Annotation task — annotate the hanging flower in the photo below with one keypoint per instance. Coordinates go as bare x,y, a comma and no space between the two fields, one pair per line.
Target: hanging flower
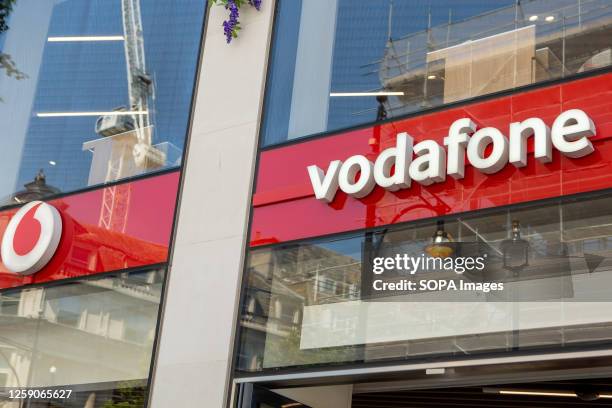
231,26
255,3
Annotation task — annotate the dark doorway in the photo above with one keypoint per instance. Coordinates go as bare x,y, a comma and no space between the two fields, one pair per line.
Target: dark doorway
562,394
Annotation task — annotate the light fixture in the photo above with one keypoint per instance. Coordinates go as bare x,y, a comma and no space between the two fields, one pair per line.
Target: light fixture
52,162
86,38
533,18
539,393
550,18
67,114
441,246
431,77
366,93
587,394
381,114
515,250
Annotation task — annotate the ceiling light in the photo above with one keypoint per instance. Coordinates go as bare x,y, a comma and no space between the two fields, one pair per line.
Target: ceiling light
550,18
366,94
431,77
86,38
583,395
533,18
51,162
441,245
515,250
67,114
539,393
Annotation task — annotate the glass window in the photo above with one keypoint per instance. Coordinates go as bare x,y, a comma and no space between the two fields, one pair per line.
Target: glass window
92,91
311,303
93,336
341,63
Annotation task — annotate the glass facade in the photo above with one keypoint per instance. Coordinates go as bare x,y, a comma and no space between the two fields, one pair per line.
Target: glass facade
341,63
93,91
93,336
304,304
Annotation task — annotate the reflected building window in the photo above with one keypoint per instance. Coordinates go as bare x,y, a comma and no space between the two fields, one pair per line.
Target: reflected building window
34,190
53,336
553,259
384,59
93,91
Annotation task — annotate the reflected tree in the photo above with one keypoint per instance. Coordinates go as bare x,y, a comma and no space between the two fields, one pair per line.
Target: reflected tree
6,62
6,6
127,397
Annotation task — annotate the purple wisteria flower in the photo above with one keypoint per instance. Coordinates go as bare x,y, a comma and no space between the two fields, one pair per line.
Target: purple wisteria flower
231,26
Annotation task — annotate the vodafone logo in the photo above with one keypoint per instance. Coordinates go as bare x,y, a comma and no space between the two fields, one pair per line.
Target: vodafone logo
31,238
427,162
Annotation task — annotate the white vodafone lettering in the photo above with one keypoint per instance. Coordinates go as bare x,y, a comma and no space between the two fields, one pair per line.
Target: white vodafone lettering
325,184
570,132
399,156
456,142
352,185
430,165
395,167
520,132
497,159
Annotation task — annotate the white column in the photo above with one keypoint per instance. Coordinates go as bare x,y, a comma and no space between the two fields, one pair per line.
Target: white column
199,312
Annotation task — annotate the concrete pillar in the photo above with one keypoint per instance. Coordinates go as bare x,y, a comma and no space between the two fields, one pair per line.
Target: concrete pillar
199,312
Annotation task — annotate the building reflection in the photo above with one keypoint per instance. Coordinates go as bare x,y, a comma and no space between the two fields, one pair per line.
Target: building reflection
529,42
303,303
90,332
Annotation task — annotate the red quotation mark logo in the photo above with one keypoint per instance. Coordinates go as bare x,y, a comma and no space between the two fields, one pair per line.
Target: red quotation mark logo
31,238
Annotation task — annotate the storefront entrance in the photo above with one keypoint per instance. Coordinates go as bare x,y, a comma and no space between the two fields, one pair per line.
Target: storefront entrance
562,383
567,394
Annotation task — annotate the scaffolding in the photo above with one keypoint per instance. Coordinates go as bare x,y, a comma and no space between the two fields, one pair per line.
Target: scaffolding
528,42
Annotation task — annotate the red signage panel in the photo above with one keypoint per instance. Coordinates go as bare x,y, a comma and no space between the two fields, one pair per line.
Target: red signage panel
285,207
117,227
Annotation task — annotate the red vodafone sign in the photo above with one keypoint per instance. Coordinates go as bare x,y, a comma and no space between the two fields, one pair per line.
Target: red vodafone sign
547,142
31,238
